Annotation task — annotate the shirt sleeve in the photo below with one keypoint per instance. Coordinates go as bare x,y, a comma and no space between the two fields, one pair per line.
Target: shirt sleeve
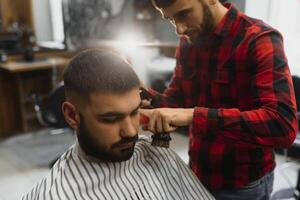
274,121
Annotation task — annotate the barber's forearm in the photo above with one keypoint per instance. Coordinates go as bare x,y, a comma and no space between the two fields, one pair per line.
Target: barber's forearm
168,119
186,117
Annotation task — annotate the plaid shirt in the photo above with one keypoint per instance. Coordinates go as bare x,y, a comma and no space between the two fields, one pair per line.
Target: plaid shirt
239,84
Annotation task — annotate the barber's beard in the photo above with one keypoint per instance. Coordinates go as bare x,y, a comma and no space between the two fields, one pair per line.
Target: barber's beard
206,28
90,146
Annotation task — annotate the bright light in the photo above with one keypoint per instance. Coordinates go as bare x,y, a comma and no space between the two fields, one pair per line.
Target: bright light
129,42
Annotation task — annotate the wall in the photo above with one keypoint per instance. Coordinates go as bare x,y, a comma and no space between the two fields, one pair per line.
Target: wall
86,19
89,21
240,4
284,15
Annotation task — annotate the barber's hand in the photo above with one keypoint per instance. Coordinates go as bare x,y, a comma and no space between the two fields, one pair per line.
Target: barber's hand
145,96
167,119
146,103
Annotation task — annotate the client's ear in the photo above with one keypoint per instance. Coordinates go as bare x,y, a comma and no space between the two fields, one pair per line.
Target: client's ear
70,114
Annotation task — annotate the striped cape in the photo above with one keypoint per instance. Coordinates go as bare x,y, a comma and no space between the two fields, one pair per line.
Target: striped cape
151,173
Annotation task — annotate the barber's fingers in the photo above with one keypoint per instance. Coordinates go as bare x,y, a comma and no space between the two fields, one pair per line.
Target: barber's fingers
153,121
159,124
167,125
142,84
158,121
146,103
146,112
145,115
170,129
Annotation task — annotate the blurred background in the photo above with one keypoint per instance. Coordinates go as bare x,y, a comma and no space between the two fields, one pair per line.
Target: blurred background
38,38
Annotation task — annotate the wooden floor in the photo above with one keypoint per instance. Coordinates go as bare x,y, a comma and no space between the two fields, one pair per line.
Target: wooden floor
24,160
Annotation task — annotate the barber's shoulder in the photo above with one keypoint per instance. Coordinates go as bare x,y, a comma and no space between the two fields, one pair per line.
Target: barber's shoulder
257,28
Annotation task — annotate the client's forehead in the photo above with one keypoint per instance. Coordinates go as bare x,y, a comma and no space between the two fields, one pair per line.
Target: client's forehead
124,102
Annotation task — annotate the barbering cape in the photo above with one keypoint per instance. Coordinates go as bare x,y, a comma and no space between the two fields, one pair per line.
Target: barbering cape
151,173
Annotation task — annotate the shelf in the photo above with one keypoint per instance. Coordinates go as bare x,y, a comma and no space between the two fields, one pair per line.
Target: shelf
18,81
23,66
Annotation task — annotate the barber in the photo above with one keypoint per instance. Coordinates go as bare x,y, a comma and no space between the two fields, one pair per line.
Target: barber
232,87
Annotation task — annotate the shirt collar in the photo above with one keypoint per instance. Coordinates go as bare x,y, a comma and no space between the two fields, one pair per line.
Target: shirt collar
225,25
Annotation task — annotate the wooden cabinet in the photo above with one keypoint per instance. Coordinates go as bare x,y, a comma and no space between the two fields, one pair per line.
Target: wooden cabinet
16,10
18,81
9,119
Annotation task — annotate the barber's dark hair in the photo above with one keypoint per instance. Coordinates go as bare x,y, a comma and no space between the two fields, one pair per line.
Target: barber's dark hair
97,70
159,4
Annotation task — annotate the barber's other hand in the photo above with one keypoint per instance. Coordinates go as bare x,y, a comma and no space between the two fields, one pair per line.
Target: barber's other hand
145,96
146,103
167,119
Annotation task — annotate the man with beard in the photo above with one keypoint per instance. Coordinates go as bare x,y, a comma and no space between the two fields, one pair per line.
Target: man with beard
232,87
110,161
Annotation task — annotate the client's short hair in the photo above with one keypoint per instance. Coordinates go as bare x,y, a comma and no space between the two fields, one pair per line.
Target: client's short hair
97,70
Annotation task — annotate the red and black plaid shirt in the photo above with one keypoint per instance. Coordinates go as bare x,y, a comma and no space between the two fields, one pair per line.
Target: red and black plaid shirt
239,83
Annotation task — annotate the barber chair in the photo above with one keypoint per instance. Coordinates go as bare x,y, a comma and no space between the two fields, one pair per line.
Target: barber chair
49,112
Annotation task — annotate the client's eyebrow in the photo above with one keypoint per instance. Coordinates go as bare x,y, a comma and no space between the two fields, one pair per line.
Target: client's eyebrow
110,114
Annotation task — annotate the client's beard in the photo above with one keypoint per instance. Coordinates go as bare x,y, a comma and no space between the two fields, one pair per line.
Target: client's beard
91,148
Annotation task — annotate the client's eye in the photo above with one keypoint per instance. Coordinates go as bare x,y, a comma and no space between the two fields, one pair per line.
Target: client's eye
111,119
